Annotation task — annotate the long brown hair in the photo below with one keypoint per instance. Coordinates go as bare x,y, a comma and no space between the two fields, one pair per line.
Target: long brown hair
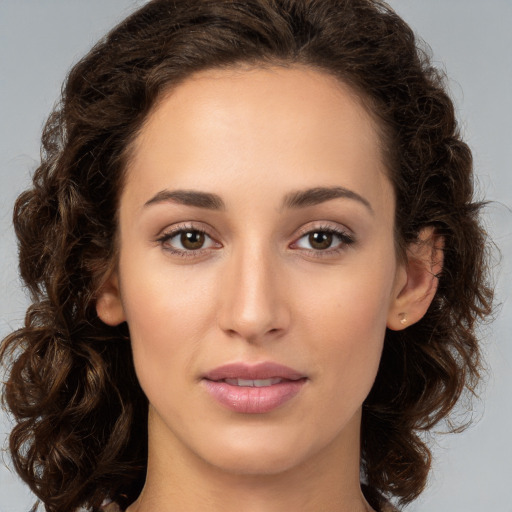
80,414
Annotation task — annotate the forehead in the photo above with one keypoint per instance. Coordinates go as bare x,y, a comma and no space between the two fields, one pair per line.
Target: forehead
249,125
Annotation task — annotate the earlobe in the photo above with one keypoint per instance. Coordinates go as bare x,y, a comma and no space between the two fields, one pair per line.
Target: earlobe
109,306
416,291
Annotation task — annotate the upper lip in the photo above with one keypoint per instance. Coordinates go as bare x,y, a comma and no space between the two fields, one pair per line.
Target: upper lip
265,370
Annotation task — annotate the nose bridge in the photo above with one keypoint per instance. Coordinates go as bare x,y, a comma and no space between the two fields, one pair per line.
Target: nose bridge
252,306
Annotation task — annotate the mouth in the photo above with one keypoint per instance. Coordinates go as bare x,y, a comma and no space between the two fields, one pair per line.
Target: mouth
253,389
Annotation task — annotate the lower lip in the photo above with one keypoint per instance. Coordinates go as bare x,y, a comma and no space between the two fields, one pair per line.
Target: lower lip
253,400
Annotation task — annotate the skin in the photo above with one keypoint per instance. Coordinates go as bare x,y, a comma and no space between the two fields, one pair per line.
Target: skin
258,290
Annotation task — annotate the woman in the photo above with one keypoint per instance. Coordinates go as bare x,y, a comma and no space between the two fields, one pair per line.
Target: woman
255,261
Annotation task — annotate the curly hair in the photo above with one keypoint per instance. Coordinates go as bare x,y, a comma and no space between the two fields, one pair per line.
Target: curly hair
81,431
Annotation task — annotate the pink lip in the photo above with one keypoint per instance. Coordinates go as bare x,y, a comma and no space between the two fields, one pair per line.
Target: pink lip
253,400
266,370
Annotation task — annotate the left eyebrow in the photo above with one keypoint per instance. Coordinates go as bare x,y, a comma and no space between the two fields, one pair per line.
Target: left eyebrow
318,195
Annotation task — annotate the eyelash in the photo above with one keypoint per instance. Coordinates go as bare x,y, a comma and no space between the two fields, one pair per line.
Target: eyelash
185,253
345,240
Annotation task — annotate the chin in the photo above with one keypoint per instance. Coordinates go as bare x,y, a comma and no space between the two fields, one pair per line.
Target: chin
264,453
256,464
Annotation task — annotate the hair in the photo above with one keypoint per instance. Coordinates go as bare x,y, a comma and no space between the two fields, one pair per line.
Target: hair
80,432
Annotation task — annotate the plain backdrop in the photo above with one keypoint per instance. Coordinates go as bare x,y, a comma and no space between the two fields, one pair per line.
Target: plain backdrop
471,39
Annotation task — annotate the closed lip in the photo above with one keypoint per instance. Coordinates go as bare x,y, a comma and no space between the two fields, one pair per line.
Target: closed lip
258,371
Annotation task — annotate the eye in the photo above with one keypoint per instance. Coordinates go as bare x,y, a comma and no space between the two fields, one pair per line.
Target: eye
186,240
324,239
190,240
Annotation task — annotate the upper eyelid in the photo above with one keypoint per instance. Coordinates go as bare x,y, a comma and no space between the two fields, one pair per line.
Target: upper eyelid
178,227
334,227
307,228
339,233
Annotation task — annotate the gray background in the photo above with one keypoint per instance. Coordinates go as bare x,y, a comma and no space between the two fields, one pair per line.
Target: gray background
40,40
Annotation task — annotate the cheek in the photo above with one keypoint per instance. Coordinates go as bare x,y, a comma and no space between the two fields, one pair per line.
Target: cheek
168,314
347,319
351,299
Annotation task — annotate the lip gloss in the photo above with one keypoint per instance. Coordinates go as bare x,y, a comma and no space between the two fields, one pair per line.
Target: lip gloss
253,400
233,386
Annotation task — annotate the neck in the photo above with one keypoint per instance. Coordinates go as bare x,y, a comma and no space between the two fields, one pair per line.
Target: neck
183,482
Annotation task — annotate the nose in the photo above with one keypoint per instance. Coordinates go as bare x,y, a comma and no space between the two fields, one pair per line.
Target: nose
253,303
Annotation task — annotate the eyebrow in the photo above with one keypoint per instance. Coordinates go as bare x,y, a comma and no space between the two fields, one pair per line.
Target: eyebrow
188,198
298,199
318,195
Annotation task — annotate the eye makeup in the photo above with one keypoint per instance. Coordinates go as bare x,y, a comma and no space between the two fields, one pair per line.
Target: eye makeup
187,240
323,240
190,240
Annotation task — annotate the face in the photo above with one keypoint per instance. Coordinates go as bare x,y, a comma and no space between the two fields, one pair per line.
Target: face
257,267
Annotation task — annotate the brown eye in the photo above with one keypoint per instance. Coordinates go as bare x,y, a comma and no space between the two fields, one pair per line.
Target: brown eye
327,240
192,240
320,240
189,241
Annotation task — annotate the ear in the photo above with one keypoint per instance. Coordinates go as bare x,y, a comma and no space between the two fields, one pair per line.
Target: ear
108,302
417,280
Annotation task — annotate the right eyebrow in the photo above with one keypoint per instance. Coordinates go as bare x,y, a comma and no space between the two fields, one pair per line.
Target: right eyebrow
318,195
188,198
